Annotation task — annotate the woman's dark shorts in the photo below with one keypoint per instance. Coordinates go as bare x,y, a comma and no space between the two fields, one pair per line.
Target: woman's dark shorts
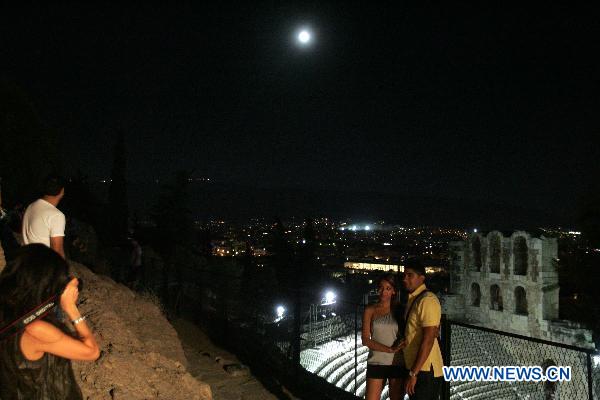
386,371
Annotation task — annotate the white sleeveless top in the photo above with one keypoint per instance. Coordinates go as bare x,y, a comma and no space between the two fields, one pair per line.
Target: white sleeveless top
384,329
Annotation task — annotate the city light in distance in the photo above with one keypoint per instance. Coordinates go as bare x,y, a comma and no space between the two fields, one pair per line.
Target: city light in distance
329,298
359,227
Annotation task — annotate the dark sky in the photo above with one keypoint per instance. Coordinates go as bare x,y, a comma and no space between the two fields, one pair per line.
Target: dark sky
462,101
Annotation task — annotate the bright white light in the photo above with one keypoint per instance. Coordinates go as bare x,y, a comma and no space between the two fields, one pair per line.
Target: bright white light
303,241
475,230
304,37
367,228
280,311
342,228
353,227
329,297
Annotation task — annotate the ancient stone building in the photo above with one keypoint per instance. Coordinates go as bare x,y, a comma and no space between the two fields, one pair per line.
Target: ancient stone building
510,283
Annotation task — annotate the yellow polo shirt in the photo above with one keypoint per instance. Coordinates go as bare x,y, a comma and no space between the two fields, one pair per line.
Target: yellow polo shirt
427,312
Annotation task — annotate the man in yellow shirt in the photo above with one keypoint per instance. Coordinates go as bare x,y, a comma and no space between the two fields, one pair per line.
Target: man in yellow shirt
422,355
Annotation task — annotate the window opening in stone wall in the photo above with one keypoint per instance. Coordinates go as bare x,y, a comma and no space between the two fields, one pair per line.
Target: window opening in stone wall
520,255
476,247
496,298
520,301
495,252
475,295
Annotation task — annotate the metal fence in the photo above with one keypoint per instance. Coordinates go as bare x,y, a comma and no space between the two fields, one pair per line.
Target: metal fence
470,345
314,348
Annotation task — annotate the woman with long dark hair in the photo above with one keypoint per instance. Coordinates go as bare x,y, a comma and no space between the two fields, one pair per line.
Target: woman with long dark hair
380,335
35,362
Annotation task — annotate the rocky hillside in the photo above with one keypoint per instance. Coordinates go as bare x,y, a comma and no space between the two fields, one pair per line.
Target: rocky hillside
142,357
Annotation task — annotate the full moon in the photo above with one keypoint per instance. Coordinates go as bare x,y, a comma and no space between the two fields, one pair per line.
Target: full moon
304,37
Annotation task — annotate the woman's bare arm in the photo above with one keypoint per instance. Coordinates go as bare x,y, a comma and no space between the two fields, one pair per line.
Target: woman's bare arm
42,337
366,334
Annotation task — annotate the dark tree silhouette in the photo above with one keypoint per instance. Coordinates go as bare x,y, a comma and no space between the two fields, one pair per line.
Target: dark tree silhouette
118,210
589,216
282,259
172,214
579,278
257,287
173,236
28,150
80,202
310,273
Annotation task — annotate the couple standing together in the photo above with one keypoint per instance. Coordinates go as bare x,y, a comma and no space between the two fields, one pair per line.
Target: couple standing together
403,344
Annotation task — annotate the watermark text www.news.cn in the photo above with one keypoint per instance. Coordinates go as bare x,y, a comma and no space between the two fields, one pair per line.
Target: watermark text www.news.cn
510,373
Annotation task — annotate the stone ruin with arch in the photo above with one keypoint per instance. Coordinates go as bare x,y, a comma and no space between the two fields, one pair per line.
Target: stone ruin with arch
511,284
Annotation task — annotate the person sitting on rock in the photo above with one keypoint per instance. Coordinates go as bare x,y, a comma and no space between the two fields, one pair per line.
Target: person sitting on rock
35,363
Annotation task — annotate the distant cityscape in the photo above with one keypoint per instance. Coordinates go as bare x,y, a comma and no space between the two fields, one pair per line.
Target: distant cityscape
353,244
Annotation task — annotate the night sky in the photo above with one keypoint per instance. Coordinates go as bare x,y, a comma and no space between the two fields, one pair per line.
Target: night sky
458,101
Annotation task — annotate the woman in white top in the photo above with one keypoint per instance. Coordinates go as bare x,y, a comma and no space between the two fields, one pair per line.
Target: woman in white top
380,335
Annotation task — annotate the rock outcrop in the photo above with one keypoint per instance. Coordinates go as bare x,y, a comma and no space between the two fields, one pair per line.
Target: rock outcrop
142,357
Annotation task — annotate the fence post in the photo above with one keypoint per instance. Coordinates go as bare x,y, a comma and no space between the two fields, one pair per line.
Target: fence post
589,376
297,327
446,349
356,347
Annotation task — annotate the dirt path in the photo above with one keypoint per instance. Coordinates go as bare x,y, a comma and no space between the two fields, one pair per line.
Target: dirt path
209,363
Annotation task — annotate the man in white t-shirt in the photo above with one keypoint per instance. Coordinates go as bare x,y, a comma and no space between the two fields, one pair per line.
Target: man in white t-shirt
43,222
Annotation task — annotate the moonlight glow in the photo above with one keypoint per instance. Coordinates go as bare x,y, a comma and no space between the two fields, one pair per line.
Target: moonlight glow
304,37
280,311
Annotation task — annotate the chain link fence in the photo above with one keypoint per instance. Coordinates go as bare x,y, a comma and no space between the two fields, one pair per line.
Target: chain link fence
470,345
313,346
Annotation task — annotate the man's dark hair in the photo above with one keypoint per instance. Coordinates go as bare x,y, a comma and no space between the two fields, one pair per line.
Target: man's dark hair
416,265
52,185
